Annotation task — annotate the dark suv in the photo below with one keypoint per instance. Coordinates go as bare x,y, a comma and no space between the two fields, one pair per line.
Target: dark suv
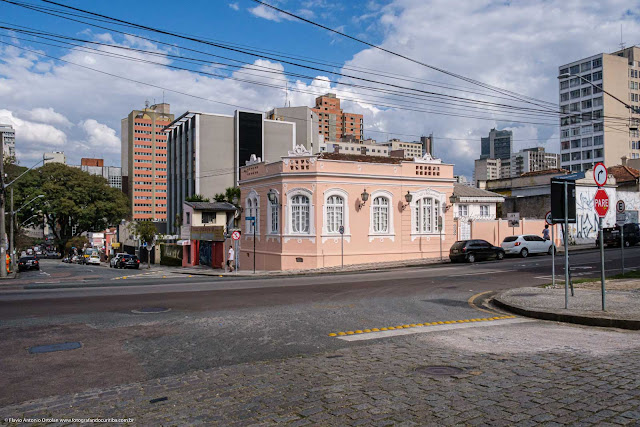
474,250
612,235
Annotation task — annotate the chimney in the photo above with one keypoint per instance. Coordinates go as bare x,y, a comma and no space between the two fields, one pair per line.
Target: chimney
623,159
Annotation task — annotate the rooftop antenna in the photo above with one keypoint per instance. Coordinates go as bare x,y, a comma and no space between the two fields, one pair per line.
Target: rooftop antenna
146,103
163,97
286,93
621,42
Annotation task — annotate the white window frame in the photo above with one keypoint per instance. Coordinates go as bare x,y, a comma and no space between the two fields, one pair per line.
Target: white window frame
416,204
252,208
287,224
390,233
345,215
488,211
462,207
271,209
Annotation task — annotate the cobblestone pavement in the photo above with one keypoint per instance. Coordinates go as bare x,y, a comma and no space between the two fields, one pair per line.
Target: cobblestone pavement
526,374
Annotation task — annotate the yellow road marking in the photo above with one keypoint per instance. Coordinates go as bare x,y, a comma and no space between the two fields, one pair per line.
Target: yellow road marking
417,325
471,303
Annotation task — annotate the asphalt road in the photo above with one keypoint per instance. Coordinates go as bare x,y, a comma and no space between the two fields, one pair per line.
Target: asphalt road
220,321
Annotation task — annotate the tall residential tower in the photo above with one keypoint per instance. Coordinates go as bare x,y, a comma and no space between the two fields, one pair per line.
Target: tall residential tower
144,161
595,127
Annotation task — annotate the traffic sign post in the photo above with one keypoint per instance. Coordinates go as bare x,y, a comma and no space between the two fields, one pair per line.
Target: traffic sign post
235,236
601,205
513,220
621,218
341,230
548,218
253,225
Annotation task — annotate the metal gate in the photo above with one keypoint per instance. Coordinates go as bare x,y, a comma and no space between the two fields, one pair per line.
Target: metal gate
205,253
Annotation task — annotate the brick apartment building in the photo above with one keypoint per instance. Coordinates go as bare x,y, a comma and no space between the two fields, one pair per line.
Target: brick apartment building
335,124
144,161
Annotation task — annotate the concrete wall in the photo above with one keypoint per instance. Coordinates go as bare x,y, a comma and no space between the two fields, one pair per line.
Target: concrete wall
215,159
279,139
615,81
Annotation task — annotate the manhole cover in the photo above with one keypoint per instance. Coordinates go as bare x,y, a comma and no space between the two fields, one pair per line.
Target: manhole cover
54,347
439,371
151,310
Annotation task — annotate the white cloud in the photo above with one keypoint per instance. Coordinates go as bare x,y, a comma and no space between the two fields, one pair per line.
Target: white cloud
100,136
515,45
264,12
48,115
234,6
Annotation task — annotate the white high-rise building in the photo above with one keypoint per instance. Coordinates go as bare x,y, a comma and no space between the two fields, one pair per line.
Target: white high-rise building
595,127
8,139
533,159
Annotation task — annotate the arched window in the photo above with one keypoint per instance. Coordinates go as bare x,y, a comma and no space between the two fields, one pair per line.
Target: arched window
380,215
274,220
334,213
299,214
249,210
253,210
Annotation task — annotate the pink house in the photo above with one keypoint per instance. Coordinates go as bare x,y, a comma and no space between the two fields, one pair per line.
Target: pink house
315,211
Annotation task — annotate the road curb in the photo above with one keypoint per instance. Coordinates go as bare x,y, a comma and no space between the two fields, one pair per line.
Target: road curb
607,322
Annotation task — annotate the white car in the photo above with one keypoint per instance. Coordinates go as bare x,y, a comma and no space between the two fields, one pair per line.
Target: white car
526,244
94,259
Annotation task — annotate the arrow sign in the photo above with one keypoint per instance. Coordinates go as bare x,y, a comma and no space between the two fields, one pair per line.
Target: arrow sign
601,203
548,218
600,174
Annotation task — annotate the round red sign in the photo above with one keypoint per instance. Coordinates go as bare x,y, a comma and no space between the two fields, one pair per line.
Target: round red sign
601,202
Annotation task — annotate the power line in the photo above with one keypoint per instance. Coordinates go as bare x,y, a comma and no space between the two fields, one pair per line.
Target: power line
476,82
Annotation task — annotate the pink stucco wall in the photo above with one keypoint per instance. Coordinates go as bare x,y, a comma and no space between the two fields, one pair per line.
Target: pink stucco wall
316,178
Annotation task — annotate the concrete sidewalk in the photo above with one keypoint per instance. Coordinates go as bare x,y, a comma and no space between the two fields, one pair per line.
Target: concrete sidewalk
584,308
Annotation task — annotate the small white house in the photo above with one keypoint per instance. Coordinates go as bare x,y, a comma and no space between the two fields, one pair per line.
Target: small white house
470,204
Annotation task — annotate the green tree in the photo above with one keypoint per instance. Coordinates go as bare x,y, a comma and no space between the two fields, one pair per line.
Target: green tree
219,197
196,198
145,231
78,242
74,201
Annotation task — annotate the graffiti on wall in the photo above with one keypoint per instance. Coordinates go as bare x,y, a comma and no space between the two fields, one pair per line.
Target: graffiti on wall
585,230
586,218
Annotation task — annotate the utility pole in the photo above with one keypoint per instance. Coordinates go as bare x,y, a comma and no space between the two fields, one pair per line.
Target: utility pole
12,248
3,231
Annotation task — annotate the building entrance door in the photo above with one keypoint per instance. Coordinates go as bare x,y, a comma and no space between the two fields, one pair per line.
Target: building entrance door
205,253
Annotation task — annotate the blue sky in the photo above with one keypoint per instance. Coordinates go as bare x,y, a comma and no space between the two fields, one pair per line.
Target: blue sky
514,45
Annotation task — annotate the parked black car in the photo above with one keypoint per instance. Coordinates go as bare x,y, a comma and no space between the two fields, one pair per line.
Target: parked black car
28,263
612,235
128,261
474,250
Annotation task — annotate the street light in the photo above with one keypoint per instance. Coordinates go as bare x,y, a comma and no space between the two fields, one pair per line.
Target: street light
13,213
408,197
364,197
3,228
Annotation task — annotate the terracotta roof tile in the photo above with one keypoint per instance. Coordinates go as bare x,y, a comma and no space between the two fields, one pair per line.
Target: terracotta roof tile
624,173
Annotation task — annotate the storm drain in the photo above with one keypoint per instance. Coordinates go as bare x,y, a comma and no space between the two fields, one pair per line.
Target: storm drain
439,371
151,310
54,347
